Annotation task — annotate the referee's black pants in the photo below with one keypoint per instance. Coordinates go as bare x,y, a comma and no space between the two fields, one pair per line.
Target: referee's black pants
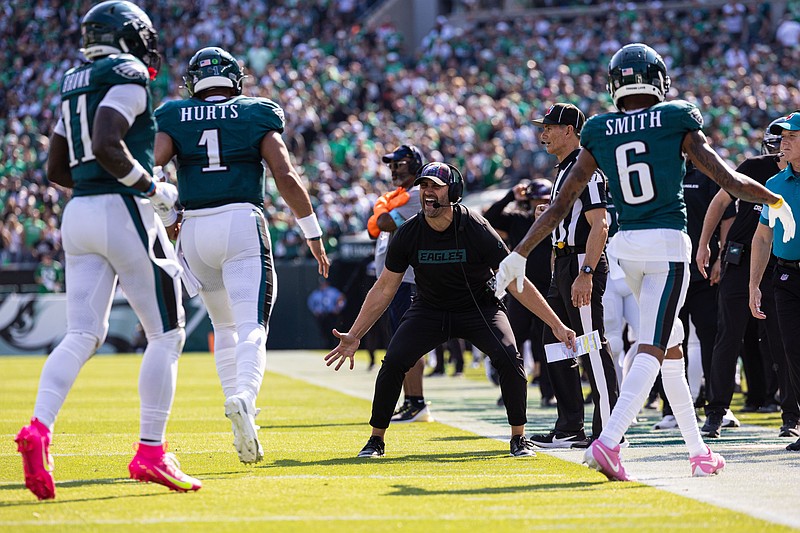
786,284
564,375
423,329
734,319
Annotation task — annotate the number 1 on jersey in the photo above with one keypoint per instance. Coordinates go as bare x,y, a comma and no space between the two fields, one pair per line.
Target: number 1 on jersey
210,139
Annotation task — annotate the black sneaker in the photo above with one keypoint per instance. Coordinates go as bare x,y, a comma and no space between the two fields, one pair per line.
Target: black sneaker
413,413
374,448
561,440
790,430
771,408
713,425
405,405
521,446
794,447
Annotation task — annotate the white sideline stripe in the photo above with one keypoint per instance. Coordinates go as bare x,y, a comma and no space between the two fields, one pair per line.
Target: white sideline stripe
765,468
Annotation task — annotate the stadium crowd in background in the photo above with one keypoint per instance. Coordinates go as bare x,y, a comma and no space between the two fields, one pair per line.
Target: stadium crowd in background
465,96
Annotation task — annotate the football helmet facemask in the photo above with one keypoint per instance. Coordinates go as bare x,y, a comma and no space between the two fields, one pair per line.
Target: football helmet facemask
213,67
771,143
118,26
637,69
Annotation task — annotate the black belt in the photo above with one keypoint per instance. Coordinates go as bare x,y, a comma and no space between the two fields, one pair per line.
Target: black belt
561,249
794,265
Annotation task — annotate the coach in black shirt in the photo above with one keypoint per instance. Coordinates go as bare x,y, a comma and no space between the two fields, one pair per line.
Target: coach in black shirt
576,290
453,252
734,312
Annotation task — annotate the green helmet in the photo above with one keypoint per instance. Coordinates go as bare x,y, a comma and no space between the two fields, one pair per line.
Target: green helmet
637,69
213,67
118,26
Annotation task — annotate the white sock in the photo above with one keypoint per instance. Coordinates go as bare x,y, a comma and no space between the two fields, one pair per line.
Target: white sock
225,358
157,379
59,373
251,360
677,390
634,391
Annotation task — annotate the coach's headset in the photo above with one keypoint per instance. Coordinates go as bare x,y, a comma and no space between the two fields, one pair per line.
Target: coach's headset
455,181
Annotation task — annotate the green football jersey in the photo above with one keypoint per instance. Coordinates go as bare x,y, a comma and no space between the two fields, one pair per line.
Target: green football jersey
219,148
82,90
641,155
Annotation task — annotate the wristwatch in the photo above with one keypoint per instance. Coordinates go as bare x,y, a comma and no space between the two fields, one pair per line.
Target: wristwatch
587,270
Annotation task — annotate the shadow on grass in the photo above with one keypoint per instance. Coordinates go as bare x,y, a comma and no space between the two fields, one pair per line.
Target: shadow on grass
295,425
399,459
80,483
409,490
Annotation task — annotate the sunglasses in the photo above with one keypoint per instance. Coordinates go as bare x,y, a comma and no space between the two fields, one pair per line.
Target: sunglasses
397,164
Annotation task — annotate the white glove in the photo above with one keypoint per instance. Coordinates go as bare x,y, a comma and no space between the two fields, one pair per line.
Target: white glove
511,268
168,216
164,195
780,210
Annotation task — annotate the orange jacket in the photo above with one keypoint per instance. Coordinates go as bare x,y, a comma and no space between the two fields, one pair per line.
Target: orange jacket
384,204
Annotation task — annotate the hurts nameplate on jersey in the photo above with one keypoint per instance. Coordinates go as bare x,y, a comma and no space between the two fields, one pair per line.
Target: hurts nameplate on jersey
558,351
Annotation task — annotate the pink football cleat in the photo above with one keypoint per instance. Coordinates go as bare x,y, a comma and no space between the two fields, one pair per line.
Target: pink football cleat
151,464
606,461
707,464
33,442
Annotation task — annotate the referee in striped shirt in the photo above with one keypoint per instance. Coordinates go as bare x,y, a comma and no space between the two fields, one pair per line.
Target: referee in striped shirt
576,290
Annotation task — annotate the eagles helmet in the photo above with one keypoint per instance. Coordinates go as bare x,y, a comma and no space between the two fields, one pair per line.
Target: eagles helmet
213,67
637,69
771,143
118,26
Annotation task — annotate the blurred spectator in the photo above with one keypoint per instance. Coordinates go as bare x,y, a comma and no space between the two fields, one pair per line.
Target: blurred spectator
326,303
49,274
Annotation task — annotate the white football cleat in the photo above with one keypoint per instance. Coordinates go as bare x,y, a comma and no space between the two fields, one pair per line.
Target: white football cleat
245,430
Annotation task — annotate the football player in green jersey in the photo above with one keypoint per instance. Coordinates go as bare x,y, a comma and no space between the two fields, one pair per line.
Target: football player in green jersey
219,139
641,150
102,147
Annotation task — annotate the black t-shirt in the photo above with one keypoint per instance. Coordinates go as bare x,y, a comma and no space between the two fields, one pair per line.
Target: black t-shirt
760,168
445,261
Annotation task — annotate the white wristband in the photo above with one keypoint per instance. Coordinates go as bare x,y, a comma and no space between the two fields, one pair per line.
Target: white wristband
310,226
133,176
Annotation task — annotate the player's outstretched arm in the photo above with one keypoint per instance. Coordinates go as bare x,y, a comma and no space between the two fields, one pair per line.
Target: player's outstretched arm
696,146
275,153
378,299
707,160
513,267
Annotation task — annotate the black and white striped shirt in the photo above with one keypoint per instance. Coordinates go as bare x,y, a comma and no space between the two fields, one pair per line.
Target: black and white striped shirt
574,229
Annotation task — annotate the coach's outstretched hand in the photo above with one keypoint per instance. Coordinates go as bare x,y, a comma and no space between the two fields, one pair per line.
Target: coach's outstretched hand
348,344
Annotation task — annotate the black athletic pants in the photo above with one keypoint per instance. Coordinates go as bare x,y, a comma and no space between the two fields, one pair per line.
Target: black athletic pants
733,318
786,284
423,329
564,376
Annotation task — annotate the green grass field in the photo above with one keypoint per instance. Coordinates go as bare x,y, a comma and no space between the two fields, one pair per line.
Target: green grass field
437,478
